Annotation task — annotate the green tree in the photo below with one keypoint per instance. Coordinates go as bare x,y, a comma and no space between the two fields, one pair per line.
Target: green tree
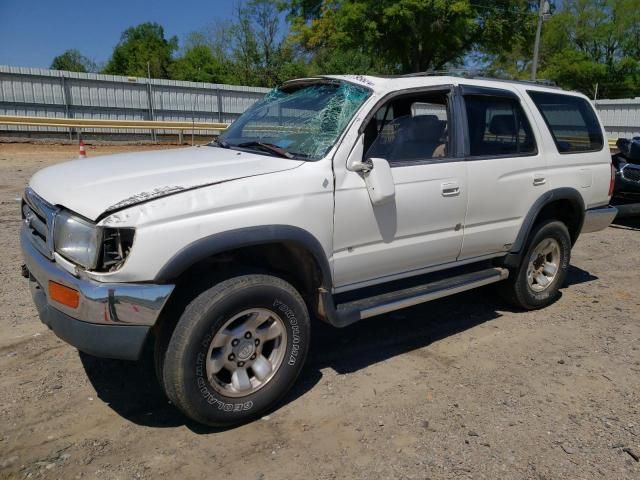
586,45
259,54
403,36
140,45
216,36
73,61
198,64
594,44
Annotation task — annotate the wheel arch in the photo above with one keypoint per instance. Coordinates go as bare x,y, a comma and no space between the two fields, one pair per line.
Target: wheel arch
287,236
292,252
565,204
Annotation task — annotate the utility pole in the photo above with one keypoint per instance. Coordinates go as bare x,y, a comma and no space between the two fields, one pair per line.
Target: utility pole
542,11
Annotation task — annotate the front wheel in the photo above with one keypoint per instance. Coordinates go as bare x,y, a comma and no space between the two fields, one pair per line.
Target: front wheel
543,270
236,350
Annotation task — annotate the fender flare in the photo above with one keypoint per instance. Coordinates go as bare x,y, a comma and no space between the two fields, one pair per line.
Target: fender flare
564,193
245,237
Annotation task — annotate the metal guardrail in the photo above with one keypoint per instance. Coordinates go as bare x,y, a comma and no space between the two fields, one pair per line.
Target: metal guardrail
105,123
78,96
126,124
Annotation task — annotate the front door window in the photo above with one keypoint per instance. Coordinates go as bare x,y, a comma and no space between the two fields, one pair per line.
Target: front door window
409,129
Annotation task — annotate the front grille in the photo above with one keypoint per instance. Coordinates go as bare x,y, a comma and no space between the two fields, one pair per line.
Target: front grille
37,217
632,173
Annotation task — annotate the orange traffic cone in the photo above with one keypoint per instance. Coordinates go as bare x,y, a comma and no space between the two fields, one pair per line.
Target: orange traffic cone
83,152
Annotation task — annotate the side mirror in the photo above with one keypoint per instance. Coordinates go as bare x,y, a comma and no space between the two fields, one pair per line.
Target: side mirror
379,180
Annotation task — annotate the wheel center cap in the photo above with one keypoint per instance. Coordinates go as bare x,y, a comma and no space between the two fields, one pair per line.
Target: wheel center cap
245,349
538,262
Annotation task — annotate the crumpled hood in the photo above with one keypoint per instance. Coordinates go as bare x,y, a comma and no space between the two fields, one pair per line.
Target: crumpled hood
97,185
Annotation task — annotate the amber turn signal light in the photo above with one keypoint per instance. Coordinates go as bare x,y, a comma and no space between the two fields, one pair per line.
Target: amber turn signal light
64,295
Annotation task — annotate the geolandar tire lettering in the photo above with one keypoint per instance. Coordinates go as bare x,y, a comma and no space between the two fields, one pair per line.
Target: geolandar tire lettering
237,349
290,315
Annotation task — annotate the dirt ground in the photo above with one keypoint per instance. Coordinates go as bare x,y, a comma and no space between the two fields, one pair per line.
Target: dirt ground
463,387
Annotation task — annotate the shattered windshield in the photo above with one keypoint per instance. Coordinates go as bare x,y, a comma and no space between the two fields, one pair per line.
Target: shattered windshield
302,122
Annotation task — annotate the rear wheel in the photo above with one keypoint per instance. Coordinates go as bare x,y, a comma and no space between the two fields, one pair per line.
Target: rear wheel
543,269
236,350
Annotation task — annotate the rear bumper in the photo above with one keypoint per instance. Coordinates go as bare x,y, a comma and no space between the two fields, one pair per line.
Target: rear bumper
111,320
628,209
597,219
624,185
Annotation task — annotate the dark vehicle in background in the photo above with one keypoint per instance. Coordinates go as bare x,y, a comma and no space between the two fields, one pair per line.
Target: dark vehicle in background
627,165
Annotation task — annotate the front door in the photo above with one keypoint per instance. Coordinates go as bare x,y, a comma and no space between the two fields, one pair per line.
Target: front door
423,226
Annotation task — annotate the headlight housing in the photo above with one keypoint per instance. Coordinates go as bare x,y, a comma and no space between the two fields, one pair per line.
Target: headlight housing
102,249
77,239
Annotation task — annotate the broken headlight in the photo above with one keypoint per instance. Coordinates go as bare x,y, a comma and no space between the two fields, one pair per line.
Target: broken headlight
95,248
76,239
116,245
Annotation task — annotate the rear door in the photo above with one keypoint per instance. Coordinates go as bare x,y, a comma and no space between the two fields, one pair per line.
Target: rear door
506,170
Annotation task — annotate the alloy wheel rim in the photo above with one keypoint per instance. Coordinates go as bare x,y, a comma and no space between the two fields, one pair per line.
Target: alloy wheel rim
246,353
544,264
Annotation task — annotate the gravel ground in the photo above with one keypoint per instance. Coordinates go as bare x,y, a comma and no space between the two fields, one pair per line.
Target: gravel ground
463,387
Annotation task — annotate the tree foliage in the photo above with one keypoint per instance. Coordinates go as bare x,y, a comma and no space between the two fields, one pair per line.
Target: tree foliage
593,44
73,61
198,64
403,36
586,45
261,55
140,48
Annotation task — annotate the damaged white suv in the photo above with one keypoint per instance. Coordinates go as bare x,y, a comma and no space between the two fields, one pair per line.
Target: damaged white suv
220,255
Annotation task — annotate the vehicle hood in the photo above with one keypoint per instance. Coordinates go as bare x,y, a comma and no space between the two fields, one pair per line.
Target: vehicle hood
97,185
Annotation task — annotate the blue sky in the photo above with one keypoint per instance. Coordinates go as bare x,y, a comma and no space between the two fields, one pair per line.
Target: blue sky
32,32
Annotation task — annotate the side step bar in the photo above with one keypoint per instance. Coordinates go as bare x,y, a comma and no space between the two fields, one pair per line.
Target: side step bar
369,307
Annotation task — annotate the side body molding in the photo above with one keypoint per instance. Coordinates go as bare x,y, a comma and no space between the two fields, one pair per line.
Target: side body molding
245,237
565,193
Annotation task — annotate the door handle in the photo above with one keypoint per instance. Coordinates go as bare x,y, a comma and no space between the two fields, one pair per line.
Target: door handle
538,180
451,189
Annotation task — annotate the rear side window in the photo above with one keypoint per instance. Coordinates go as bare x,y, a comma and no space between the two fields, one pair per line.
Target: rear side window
571,120
498,127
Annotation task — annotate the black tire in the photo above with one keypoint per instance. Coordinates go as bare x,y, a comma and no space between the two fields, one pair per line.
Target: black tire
517,290
183,369
161,342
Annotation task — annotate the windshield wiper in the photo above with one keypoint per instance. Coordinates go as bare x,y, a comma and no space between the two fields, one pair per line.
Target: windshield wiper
220,143
266,146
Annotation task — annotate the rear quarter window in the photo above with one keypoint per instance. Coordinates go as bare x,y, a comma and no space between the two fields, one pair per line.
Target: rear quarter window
571,121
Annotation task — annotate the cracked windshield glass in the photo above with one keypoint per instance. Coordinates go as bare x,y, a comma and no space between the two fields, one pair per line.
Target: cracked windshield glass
300,122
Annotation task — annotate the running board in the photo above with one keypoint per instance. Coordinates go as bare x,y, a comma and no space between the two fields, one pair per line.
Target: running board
353,311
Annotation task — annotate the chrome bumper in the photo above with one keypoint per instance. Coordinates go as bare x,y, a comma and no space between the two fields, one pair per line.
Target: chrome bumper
111,320
597,219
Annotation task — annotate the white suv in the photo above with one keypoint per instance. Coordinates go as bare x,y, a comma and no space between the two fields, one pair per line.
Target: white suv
219,255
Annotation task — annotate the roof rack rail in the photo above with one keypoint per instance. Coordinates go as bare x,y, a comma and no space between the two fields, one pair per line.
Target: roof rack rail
543,82
454,72
421,74
476,75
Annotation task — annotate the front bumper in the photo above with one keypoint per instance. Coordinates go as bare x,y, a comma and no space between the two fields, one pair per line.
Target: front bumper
112,319
596,219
